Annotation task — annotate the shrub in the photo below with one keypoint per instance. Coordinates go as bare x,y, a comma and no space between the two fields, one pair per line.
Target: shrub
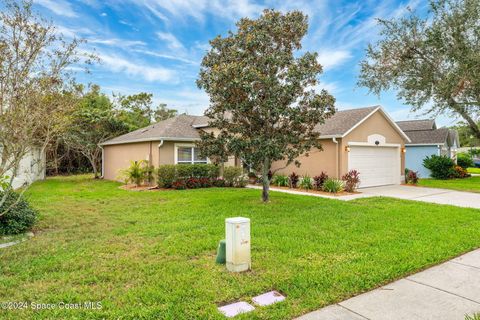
441,167
218,182
240,181
459,172
137,172
19,218
351,180
166,175
280,180
306,182
192,183
231,174
411,177
293,179
333,185
205,182
185,171
320,180
464,160
179,184
148,174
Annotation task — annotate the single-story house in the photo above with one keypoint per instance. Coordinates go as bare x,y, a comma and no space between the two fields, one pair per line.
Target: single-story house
31,168
365,139
427,140
170,141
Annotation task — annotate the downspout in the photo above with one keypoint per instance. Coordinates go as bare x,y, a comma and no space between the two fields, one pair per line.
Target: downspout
103,162
334,140
150,155
159,146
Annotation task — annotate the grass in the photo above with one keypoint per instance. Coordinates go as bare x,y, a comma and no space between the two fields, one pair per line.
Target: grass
150,255
471,184
473,170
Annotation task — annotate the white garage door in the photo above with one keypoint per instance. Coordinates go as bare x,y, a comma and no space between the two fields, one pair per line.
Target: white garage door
378,166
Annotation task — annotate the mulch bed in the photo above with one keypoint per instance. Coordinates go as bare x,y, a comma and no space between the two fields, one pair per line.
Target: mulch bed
339,194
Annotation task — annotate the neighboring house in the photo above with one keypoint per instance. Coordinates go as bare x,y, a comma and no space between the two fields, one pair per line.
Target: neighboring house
31,168
365,139
427,140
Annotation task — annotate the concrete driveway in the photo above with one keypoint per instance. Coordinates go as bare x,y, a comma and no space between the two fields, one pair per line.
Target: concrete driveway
448,291
433,195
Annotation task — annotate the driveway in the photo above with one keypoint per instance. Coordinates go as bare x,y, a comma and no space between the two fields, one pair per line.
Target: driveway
433,195
448,291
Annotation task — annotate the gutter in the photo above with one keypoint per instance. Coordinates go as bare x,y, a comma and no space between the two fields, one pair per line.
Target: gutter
148,140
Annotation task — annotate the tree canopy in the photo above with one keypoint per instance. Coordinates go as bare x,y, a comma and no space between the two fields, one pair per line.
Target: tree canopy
262,97
432,62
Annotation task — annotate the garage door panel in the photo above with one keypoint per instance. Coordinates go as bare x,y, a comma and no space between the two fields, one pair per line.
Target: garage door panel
377,165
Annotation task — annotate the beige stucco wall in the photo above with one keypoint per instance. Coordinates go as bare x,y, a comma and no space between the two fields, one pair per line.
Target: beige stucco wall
315,163
118,157
375,124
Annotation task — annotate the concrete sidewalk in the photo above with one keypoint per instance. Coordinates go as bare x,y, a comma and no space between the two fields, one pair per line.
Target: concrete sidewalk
448,291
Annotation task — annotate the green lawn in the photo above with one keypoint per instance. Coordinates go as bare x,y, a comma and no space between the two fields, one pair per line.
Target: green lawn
471,184
150,255
473,170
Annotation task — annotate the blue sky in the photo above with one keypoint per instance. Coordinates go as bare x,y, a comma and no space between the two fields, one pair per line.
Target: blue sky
156,45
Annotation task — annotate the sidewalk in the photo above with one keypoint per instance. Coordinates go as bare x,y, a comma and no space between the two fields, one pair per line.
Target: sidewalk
448,291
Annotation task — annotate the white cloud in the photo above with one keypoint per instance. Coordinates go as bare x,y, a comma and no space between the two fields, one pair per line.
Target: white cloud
330,59
198,9
103,14
147,72
171,41
73,32
59,7
331,87
117,42
168,56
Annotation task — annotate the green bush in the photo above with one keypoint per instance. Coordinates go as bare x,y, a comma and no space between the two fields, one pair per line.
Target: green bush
280,180
186,171
333,185
166,175
441,167
231,175
19,218
464,160
306,183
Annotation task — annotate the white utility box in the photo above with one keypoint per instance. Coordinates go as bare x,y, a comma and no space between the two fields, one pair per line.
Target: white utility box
237,236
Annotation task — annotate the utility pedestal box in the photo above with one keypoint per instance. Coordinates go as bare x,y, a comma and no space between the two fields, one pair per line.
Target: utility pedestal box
237,236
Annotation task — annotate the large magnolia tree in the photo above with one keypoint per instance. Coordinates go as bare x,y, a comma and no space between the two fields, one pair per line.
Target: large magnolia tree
432,62
261,92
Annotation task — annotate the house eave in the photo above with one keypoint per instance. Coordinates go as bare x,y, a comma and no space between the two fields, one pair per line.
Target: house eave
147,140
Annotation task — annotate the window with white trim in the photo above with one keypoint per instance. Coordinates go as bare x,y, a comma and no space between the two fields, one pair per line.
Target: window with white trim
189,155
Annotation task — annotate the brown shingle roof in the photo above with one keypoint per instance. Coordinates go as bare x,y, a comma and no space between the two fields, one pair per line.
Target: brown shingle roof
179,127
437,136
182,127
417,125
342,121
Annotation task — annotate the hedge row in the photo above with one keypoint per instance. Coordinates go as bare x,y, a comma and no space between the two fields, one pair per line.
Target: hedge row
177,176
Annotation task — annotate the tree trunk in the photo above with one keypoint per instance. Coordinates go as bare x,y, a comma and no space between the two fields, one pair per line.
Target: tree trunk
464,114
265,180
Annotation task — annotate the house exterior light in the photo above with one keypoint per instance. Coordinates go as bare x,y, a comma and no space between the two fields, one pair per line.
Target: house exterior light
347,148
404,150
